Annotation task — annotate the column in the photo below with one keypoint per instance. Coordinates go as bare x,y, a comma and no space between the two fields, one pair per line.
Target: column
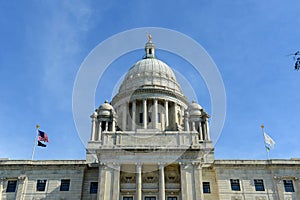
145,113
99,131
155,120
93,132
207,129
204,129
116,183
162,195
106,126
124,115
200,131
113,125
193,126
186,121
198,181
167,113
133,115
138,181
175,117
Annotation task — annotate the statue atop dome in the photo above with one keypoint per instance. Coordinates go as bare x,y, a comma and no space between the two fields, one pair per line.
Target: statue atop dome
149,37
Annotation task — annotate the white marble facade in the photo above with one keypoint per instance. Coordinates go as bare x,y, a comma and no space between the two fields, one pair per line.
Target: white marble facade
150,143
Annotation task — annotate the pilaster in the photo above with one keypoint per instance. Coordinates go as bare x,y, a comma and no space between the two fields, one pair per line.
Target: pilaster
187,183
1,186
106,188
279,188
21,187
198,180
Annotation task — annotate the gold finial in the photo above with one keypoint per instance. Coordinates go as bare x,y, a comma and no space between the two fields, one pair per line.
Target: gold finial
262,126
37,126
149,37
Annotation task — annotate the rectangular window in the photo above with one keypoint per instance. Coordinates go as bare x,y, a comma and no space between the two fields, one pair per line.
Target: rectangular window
158,118
141,118
11,186
94,188
127,198
64,184
149,116
288,186
259,185
235,184
150,198
41,185
172,198
206,187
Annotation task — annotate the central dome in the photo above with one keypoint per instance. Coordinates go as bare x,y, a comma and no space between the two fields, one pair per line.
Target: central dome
150,71
149,78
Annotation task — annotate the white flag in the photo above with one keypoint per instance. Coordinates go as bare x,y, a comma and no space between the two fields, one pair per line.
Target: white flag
269,140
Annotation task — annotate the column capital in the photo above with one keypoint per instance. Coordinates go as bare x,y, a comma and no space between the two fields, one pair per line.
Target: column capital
138,164
197,165
116,166
2,179
161,164
21,178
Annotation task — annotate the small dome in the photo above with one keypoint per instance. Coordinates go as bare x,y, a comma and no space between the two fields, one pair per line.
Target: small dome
194,109
105,109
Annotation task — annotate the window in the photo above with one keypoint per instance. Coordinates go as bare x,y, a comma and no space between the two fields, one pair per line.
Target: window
94,187
288,186
41,185
150,198
235,184
206,187
259,185
127,198
11,186
172,198
65,185
149,116
141,118
158,118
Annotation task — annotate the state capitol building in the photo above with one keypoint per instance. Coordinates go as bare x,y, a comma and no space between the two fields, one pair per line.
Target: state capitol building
150,143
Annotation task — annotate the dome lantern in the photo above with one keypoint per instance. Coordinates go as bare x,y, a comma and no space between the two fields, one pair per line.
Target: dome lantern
150,48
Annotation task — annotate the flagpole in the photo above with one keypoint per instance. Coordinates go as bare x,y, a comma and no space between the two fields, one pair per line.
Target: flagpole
35,141
267,150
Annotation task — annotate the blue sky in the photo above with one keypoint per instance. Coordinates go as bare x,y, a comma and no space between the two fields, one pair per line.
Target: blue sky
43,44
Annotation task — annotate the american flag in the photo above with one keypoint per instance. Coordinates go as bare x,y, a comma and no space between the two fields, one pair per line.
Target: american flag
42,136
